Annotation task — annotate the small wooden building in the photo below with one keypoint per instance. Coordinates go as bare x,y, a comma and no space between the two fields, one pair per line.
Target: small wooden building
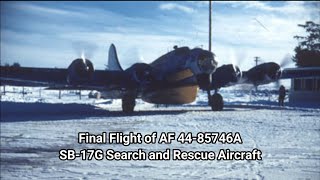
306,90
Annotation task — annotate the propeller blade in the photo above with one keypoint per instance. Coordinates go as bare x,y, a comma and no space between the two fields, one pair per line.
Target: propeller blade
135,57
83,48
83,57
245,87
238,58
277,84
286,60
241,58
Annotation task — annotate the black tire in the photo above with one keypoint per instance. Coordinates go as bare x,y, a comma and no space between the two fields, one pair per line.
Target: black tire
216,102
128,104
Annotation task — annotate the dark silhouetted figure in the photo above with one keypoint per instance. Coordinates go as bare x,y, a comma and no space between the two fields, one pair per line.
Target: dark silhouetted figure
282,95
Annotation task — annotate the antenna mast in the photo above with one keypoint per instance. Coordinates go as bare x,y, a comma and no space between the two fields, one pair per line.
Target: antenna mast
256,59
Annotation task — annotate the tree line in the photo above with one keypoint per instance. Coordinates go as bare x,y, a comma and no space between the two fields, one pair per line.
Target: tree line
308,49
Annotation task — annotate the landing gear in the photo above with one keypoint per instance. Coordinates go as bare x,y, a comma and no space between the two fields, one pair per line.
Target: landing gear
216,102
128,103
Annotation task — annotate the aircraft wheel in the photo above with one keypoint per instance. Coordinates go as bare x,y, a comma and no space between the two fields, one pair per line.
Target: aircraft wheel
216,102
128,104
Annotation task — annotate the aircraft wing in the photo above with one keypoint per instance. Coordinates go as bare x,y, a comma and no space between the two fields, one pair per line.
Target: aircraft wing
56,78
25,76
228,75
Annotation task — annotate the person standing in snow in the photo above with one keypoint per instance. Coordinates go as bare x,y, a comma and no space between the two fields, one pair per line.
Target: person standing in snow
282,95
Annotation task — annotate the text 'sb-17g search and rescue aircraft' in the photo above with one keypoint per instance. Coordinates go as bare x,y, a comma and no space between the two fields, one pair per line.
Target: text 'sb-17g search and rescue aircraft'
173,78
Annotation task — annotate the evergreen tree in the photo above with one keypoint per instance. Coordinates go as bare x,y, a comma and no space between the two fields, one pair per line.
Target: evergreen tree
308,49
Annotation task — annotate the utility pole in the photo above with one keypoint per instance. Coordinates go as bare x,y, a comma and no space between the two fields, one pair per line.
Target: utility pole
210,9
256,59
208,90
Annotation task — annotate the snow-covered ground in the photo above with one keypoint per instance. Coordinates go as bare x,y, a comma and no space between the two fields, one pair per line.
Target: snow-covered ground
34,129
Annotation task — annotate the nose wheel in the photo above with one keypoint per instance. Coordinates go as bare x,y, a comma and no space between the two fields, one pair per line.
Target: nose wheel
216,102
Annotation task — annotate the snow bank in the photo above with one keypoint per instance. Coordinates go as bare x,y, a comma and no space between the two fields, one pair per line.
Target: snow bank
32,133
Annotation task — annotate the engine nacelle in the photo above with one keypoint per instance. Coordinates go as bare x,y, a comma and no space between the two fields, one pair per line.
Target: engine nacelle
263,74
80,71
226,75
141,74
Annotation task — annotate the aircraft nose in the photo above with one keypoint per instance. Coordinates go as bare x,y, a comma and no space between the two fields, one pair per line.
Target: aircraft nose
207,64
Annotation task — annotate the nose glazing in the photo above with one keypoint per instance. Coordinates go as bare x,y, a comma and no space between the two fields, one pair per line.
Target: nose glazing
206,63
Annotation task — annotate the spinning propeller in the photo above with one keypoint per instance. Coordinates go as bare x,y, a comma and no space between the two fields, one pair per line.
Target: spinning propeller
81,69
286,61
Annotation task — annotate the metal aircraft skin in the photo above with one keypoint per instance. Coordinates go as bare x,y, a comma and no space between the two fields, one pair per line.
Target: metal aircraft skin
173,78
170,79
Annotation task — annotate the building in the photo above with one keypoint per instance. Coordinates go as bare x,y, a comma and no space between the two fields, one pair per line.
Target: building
305,90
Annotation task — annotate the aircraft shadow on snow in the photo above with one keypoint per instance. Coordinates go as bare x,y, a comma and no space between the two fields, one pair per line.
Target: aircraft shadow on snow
41,111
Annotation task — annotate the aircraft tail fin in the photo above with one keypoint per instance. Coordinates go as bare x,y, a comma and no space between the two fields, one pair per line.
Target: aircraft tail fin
113,61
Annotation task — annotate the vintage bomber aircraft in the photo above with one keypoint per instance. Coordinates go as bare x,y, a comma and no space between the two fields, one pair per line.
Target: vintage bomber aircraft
173,78
170,79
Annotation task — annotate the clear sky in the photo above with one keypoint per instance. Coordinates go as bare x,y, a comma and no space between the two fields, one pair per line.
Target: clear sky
52,34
